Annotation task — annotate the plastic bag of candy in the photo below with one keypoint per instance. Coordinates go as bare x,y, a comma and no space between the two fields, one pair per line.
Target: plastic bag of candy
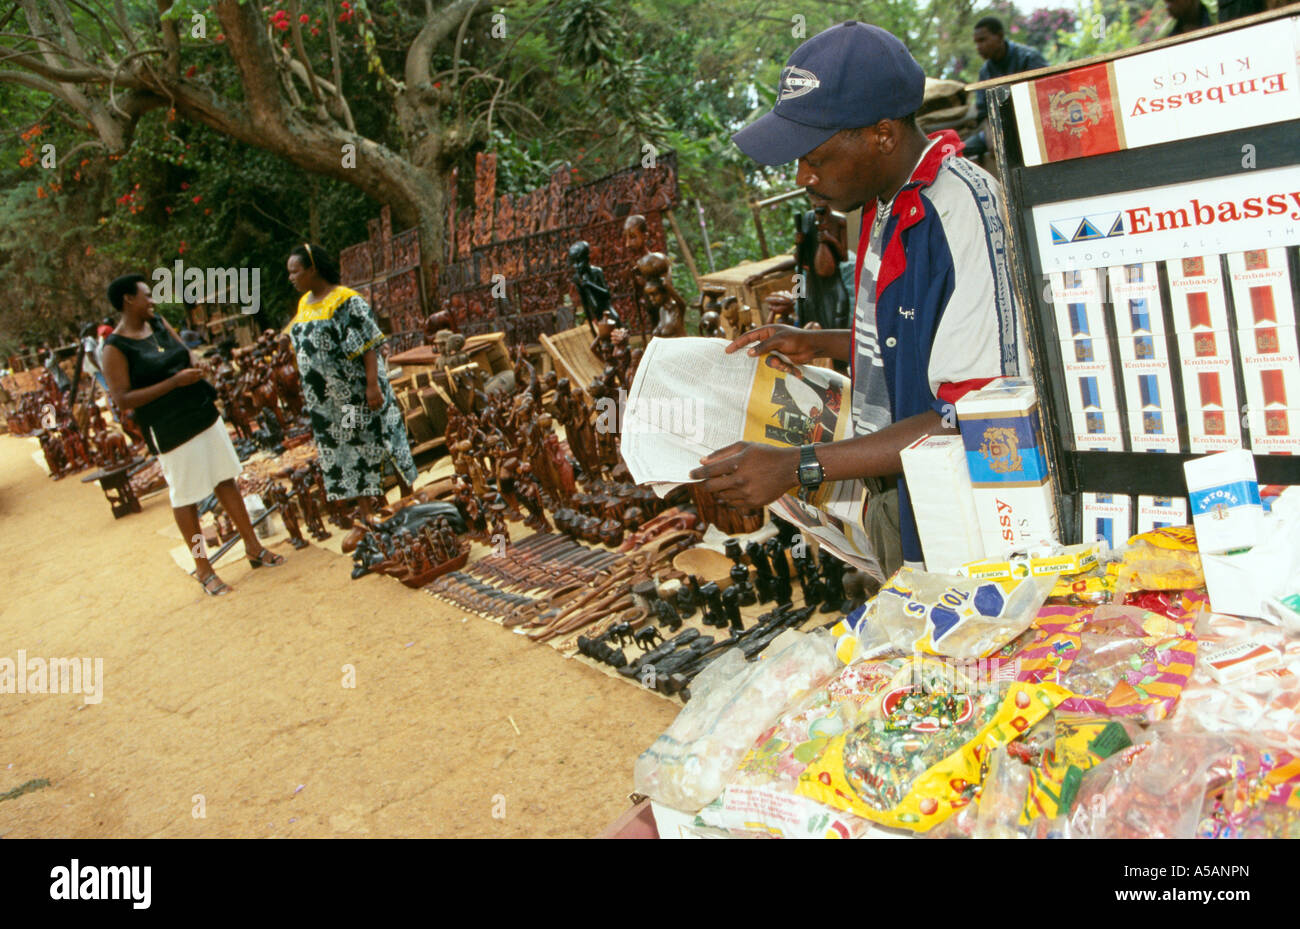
760,796
1260,800
948,614
732,703
1131,662
915,755
1155,788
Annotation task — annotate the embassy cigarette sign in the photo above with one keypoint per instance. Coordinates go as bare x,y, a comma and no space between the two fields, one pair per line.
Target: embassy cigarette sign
1234,80
1250,210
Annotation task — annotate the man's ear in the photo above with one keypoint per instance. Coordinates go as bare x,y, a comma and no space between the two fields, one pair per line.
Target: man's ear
886,134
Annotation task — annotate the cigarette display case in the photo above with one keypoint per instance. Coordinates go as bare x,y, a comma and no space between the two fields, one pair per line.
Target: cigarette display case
1153,205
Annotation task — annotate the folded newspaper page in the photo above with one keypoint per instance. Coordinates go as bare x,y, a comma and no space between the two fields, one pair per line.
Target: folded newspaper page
690,398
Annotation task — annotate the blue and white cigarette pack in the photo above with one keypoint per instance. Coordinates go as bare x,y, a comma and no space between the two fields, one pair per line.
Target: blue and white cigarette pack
1003,438
1224,495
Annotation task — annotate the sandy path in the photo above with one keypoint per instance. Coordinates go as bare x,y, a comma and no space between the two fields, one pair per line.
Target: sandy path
241,699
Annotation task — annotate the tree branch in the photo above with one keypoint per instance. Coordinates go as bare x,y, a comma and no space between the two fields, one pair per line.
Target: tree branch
435,29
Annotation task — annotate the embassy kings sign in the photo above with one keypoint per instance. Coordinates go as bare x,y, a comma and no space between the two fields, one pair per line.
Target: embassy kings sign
1253,209
1246,77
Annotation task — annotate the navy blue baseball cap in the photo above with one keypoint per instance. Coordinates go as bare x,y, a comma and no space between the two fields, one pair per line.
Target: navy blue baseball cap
849,76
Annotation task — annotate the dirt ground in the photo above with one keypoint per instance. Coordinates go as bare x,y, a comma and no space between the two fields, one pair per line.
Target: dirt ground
235,707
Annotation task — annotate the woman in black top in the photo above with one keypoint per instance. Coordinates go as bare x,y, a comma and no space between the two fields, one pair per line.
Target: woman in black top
152,373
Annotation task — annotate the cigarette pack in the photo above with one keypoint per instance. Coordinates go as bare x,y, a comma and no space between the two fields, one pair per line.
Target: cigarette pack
1211,393
1224,496
1261,288
945,509
1085,286
1097,430
1003,438
1196,294
1153,430
1107,517
1274,431
1238,660
1272,376
1158,512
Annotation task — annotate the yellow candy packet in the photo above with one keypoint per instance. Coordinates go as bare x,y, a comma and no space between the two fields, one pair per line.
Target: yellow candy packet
920,757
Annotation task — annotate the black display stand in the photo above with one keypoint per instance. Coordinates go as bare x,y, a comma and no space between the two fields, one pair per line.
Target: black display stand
1188,160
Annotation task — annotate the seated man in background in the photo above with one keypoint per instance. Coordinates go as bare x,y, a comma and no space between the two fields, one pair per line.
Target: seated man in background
1001,57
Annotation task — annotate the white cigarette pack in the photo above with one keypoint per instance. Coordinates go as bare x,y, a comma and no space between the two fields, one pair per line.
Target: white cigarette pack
1238,660
1196,293
1158,512
943,502
1224,496
1274,431
1261,288
1107,517
1097,430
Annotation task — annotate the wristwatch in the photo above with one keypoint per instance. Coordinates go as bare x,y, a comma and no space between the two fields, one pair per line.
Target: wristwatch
810,470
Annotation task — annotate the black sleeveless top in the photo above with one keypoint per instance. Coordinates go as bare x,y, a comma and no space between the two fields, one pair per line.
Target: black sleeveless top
178,415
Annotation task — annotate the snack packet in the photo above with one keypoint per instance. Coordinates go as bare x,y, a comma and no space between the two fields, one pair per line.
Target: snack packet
915,755
760,797
1131,663
947,614
1162,559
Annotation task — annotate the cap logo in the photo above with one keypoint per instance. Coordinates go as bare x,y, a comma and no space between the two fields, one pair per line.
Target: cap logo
795,82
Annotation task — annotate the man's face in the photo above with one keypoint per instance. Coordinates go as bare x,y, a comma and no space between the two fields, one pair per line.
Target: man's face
1181,9
844,172
990,45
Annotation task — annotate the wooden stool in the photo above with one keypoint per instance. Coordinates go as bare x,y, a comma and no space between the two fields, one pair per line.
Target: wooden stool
116,484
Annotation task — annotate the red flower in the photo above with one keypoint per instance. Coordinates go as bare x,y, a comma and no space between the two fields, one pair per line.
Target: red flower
221,37
315,31
191,71
304,18
181,250
185,185
197,198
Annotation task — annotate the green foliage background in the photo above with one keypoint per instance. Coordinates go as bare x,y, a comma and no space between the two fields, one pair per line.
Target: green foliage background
587,83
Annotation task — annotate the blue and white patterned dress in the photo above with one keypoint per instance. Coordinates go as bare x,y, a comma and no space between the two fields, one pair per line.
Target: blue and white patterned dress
356,444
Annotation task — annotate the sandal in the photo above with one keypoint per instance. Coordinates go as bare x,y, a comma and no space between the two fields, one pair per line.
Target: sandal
211,589
266,559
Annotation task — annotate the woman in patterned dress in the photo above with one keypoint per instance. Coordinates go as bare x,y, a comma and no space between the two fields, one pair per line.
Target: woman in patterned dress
355,417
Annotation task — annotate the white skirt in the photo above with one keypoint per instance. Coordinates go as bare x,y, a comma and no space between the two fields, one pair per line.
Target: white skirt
192,470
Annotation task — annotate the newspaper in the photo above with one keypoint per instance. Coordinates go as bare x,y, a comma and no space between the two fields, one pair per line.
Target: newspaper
690,398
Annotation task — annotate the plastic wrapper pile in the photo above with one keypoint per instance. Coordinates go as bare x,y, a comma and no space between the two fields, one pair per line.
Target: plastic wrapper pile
1106,702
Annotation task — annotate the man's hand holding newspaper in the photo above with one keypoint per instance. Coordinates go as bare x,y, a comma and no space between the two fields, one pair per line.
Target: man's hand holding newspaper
737,420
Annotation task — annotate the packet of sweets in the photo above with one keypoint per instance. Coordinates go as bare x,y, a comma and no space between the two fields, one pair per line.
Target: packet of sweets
917,755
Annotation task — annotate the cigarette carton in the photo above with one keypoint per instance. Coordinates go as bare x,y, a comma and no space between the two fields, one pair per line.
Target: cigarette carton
943,502
1003,438
1224,496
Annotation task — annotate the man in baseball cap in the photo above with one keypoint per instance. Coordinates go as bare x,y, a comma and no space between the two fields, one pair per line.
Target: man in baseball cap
933,316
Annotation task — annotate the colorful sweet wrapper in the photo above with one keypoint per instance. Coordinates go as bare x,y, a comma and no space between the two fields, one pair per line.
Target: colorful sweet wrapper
1156,673
921,756
1080,744
1261,800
